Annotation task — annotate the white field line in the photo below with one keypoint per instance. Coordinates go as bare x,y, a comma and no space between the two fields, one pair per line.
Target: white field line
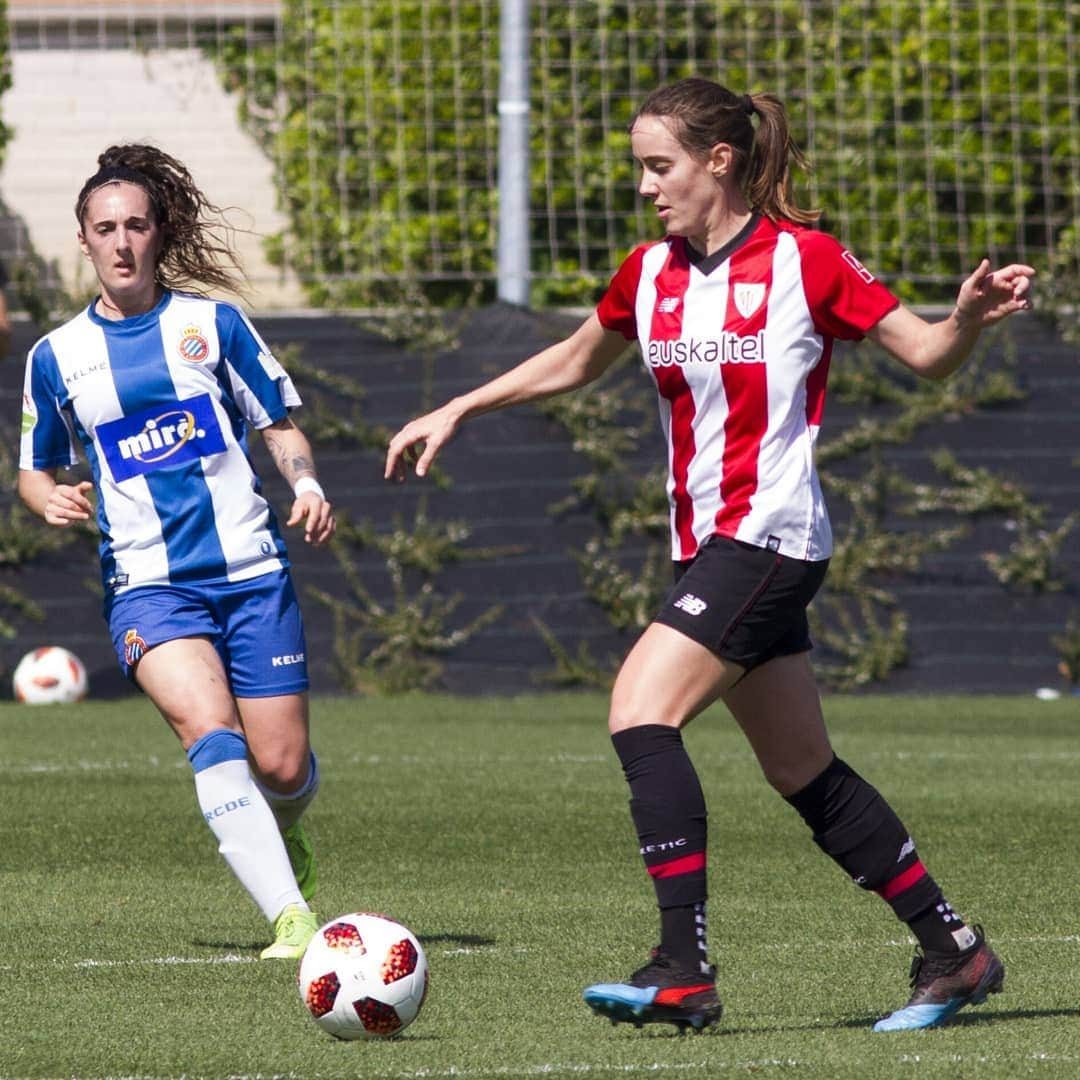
166,961
663,1068
36,768
517,950
153,762
708,1066
235,958
570,1068
642,1068
997,939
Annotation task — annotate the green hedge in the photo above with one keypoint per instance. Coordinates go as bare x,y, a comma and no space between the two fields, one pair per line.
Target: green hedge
939,131
5,73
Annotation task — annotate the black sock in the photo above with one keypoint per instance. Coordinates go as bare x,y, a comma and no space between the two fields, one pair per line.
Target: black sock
940,929
858,829
683,936
668,809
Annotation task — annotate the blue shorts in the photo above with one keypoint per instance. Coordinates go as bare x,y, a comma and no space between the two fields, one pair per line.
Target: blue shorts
254,625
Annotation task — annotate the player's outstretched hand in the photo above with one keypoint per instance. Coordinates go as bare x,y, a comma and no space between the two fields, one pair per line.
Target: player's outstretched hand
317,514
68,503
990,295
419,441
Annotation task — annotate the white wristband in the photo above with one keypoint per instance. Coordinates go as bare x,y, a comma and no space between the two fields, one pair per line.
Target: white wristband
308,483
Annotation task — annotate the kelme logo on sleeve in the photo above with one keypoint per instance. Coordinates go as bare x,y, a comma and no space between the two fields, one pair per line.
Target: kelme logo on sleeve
161,437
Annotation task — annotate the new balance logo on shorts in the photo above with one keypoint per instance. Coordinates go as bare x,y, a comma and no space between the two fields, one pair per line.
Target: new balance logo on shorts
692,605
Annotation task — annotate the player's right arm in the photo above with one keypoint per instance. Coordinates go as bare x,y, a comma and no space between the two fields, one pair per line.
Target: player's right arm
58,504
579,359
47,444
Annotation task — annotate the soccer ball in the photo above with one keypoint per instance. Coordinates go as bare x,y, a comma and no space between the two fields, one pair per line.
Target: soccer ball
49,676
363,976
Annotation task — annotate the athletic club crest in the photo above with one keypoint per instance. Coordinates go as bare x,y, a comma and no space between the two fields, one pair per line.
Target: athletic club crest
193,345
748,296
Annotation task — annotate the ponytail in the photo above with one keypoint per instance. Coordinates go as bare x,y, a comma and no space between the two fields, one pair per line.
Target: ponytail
767,181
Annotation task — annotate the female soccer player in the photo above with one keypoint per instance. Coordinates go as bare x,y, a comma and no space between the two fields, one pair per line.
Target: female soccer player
160,387
736,311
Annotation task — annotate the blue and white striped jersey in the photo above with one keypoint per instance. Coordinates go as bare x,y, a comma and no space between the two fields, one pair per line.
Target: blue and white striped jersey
161,404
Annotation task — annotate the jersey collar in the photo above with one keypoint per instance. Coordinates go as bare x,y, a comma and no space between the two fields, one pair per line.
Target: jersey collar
708,263
136,322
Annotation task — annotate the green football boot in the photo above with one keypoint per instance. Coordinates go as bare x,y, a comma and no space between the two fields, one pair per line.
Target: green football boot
293,929
301,858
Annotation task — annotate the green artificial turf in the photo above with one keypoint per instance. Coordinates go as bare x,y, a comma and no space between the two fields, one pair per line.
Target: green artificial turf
497,829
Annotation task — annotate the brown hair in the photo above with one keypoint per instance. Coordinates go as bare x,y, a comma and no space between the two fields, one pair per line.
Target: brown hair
704,113
196,251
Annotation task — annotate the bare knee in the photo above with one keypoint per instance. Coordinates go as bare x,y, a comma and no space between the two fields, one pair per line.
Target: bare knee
786,780
277,736
790,776
634,704
667,679
631,714
281,769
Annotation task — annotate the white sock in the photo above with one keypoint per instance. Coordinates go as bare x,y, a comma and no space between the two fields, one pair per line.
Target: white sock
243,823
288,808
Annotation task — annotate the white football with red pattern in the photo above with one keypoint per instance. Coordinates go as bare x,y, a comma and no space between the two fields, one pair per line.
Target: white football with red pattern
363,976
49,676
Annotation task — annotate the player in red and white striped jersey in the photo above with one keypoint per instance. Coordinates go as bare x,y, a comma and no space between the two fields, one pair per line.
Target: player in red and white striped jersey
736,310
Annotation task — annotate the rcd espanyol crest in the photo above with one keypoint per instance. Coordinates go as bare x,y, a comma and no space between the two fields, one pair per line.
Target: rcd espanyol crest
193,344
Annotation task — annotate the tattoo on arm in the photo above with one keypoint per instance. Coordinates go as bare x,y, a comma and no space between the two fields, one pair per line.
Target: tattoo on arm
291,462
298,465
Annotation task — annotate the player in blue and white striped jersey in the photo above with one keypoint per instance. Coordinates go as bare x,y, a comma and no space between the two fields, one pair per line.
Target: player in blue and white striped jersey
158,388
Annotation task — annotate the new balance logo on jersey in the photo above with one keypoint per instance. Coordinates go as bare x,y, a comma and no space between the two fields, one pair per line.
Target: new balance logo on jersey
727,349
162,437
692,605
667,305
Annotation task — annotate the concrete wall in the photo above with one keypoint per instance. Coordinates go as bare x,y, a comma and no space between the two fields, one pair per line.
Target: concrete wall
78,87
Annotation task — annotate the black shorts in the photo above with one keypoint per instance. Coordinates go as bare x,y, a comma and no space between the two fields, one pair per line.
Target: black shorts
744,603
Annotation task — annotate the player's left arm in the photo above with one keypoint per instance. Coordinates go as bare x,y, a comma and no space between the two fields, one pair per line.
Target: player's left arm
936,350
291,451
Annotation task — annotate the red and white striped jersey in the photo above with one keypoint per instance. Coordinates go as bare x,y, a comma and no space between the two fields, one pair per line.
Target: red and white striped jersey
739,345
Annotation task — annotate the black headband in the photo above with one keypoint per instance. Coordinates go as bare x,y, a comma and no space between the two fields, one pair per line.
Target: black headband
748,104
112,174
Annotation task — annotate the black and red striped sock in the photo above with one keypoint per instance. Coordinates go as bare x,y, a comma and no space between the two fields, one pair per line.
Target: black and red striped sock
858,829
668,808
